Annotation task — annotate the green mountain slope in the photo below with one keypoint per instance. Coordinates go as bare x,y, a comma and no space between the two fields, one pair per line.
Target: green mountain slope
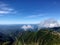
41,37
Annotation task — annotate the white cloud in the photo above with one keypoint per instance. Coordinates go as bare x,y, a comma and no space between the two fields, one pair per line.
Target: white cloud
25,27
34,16
5,9
4,12
49,23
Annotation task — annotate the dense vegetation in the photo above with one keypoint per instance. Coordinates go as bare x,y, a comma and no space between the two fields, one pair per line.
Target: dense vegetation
40,37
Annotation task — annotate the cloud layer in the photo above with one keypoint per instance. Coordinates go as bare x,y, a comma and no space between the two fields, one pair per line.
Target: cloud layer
49,23
35,16
25,27
5,9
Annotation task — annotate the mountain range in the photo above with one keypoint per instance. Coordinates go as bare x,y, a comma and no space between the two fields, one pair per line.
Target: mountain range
44,33
44,36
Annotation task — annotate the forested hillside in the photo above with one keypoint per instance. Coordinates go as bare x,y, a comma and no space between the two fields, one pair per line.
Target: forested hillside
40,37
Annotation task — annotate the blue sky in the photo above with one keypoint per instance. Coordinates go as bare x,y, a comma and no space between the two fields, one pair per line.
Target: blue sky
28,11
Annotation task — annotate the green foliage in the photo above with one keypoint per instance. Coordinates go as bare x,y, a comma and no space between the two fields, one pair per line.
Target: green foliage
41,37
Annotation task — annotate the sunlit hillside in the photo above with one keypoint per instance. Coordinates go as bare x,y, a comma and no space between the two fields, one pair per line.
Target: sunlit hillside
40,37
